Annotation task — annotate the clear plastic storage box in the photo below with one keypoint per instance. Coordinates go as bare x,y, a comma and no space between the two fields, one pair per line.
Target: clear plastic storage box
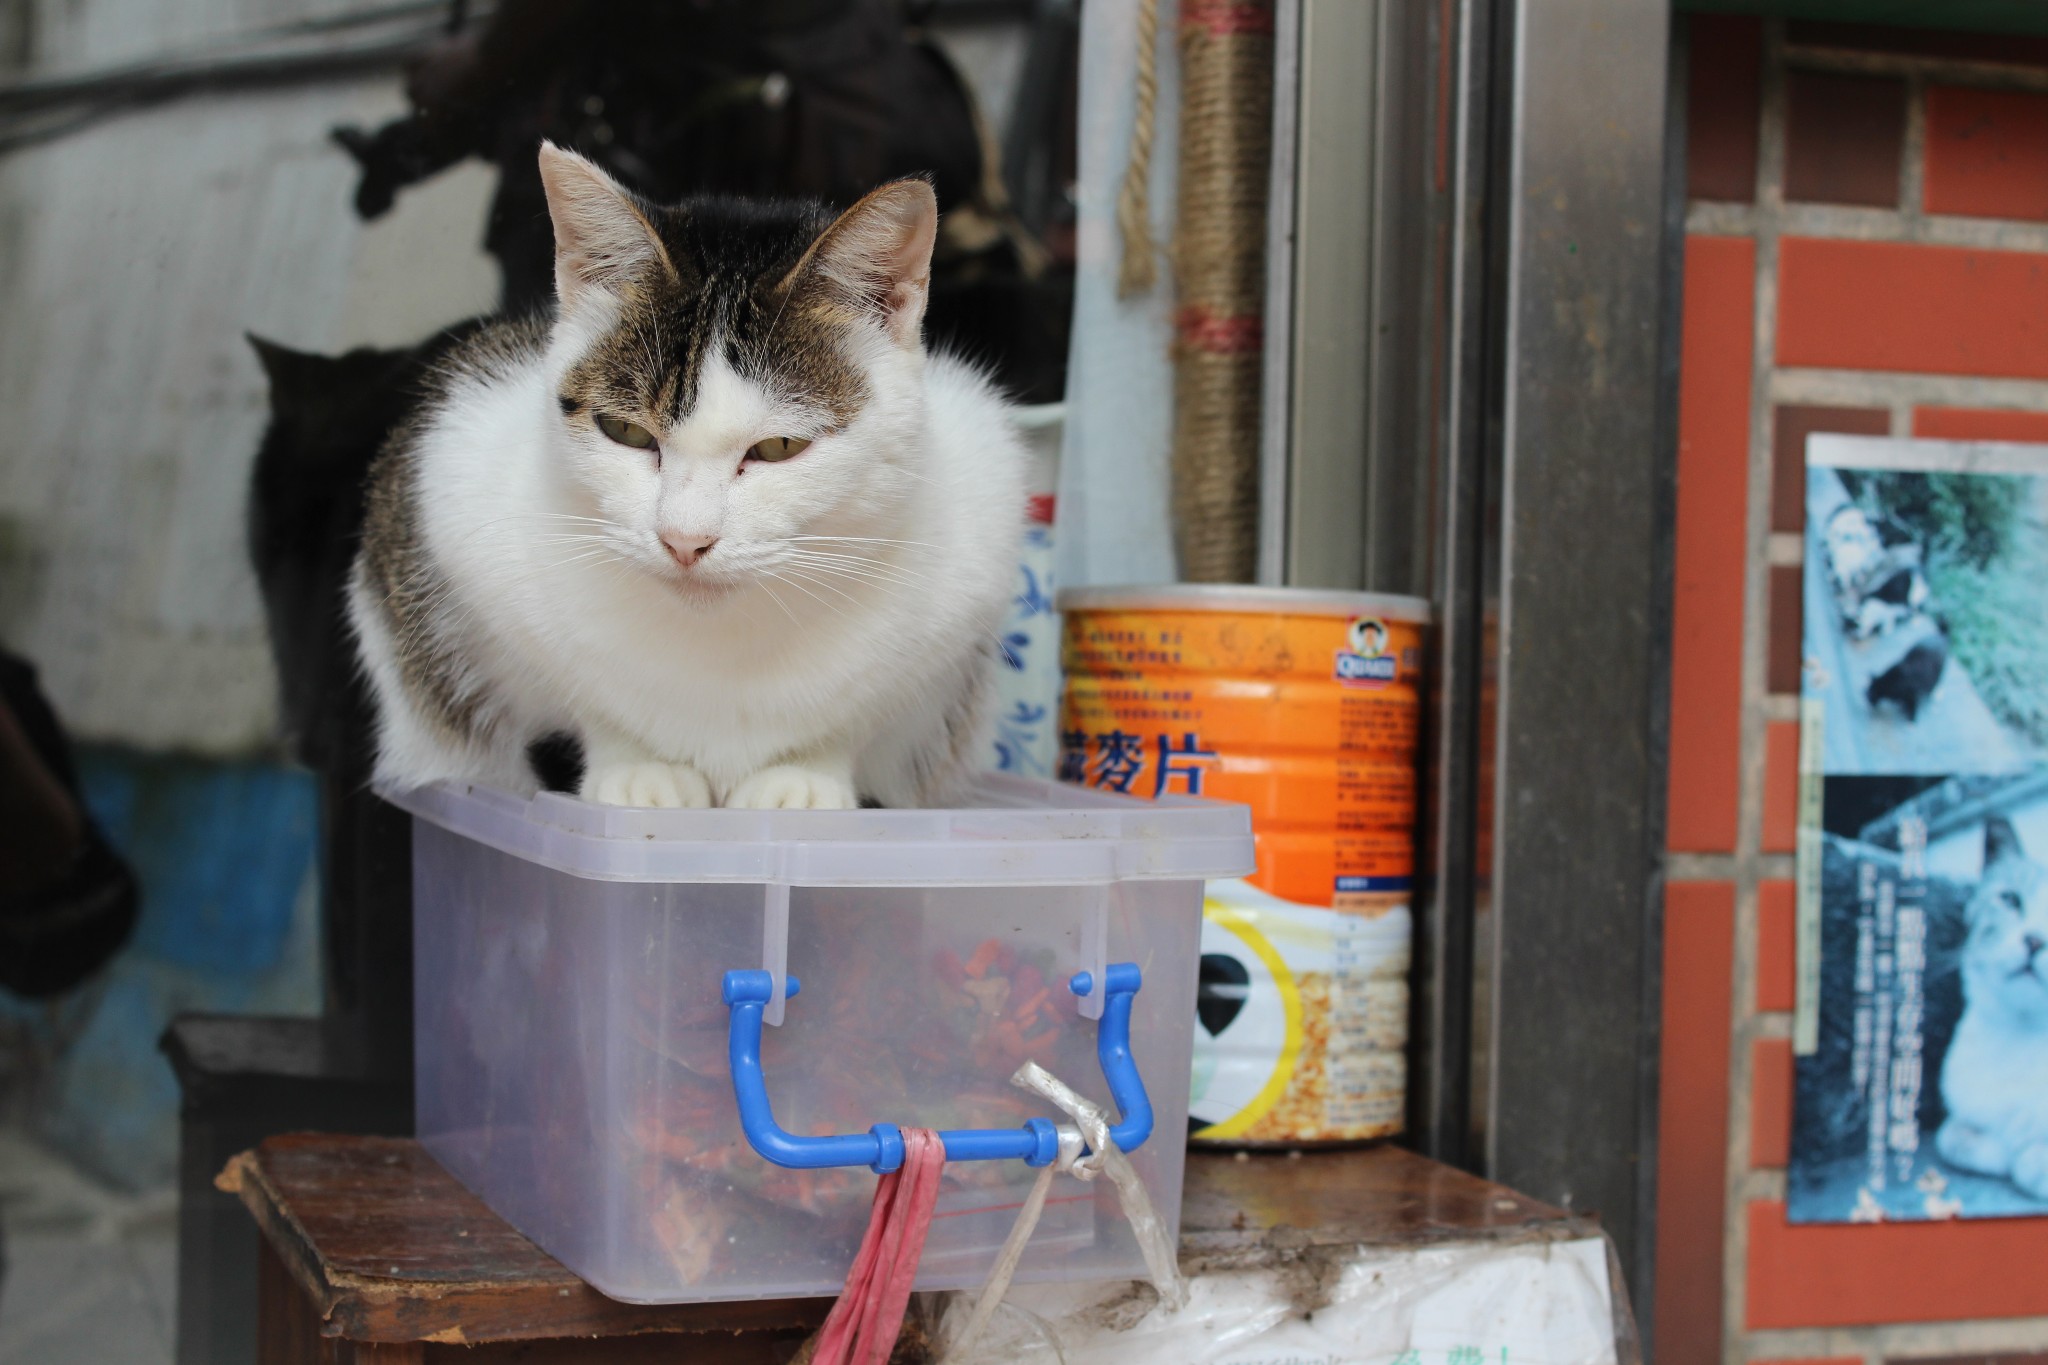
576,1022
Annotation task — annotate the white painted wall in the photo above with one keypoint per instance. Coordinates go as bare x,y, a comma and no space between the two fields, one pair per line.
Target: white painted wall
132,259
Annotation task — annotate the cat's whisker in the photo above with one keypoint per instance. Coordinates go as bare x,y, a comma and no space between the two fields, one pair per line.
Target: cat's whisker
849,598
858,576
791,582
567,519
570,517
782,308
773,597
857,561
861,561
855,564
845,554
868,540
571,539
925,479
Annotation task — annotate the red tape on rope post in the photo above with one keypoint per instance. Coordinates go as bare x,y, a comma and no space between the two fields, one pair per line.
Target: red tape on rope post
862,1327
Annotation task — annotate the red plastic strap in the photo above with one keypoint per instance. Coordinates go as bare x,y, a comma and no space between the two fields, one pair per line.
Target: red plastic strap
862,1327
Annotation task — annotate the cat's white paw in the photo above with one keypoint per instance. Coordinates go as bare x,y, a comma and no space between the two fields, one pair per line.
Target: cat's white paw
1970,1148
788,787
2030,1170
666,786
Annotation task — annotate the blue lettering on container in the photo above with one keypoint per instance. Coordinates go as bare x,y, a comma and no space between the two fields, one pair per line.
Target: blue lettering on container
1360,669
1362,884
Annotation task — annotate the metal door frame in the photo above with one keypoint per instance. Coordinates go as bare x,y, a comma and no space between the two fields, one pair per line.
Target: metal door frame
1472,395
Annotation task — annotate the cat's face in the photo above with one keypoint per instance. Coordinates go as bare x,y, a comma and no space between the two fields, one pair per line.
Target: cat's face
1852,542
2005,961
739,386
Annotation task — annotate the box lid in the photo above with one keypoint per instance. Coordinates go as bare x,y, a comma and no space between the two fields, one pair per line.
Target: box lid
1012,831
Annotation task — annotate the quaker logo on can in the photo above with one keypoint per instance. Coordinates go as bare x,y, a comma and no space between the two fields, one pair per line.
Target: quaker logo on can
1367,663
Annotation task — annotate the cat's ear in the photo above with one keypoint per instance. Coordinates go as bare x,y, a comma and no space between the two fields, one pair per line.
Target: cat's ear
602,239
878,255
2001,841
285,368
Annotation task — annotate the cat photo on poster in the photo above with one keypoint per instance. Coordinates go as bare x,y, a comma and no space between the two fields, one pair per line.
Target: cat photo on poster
1922,1027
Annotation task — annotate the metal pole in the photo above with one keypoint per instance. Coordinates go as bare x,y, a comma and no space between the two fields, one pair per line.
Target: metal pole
1566,971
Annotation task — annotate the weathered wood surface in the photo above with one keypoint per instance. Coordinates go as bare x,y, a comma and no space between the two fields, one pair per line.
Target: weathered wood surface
1251,1210
387,1247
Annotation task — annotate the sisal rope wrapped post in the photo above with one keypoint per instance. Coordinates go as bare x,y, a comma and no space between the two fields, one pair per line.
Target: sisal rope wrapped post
1134,201
1219,254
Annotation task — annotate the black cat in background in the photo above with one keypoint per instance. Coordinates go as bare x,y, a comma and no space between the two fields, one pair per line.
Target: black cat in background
329,416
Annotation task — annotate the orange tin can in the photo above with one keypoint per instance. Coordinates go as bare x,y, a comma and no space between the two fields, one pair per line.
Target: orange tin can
1306,706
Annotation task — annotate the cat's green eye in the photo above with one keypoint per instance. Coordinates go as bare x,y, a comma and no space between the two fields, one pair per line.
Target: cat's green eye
2012,900
626,433
777,448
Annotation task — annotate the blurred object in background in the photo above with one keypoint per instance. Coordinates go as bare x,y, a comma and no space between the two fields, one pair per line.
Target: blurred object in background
819,99
67,901
1026,738
328,418
1115,506
168,183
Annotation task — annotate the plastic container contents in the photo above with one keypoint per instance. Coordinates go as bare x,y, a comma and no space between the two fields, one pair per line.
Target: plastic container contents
590,979
1306,705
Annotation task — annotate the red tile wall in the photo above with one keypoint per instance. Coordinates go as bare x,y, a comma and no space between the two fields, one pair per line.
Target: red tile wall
1987,153
1777,972
1781,787
1770,1103
1865,322
1692,1120
1713,495
1791,424
1722,112
1784,653
1844,135
1849,1274
1978,424
1907,307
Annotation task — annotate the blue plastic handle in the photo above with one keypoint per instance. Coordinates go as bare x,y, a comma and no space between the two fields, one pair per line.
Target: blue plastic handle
881,1147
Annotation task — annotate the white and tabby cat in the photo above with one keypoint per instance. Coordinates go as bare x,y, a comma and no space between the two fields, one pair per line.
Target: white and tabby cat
721,518
1995,1077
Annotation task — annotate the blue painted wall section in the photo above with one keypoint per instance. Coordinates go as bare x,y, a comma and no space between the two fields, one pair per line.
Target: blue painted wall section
226,856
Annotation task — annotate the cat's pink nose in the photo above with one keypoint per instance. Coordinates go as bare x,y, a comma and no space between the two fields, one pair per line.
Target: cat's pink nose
687,550
2035,943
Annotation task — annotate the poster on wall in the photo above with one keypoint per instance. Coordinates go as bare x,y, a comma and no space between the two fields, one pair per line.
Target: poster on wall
1921,1033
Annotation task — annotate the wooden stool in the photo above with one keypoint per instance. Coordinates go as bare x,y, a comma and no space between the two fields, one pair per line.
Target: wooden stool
373,1253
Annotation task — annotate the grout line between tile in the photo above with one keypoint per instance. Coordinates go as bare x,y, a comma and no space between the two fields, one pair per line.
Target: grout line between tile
1699,867
1936,70
1902,392
1993,1337
1912,170
1766,218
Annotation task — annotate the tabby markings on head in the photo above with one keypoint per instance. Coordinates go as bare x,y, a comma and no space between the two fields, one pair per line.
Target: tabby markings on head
773,324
